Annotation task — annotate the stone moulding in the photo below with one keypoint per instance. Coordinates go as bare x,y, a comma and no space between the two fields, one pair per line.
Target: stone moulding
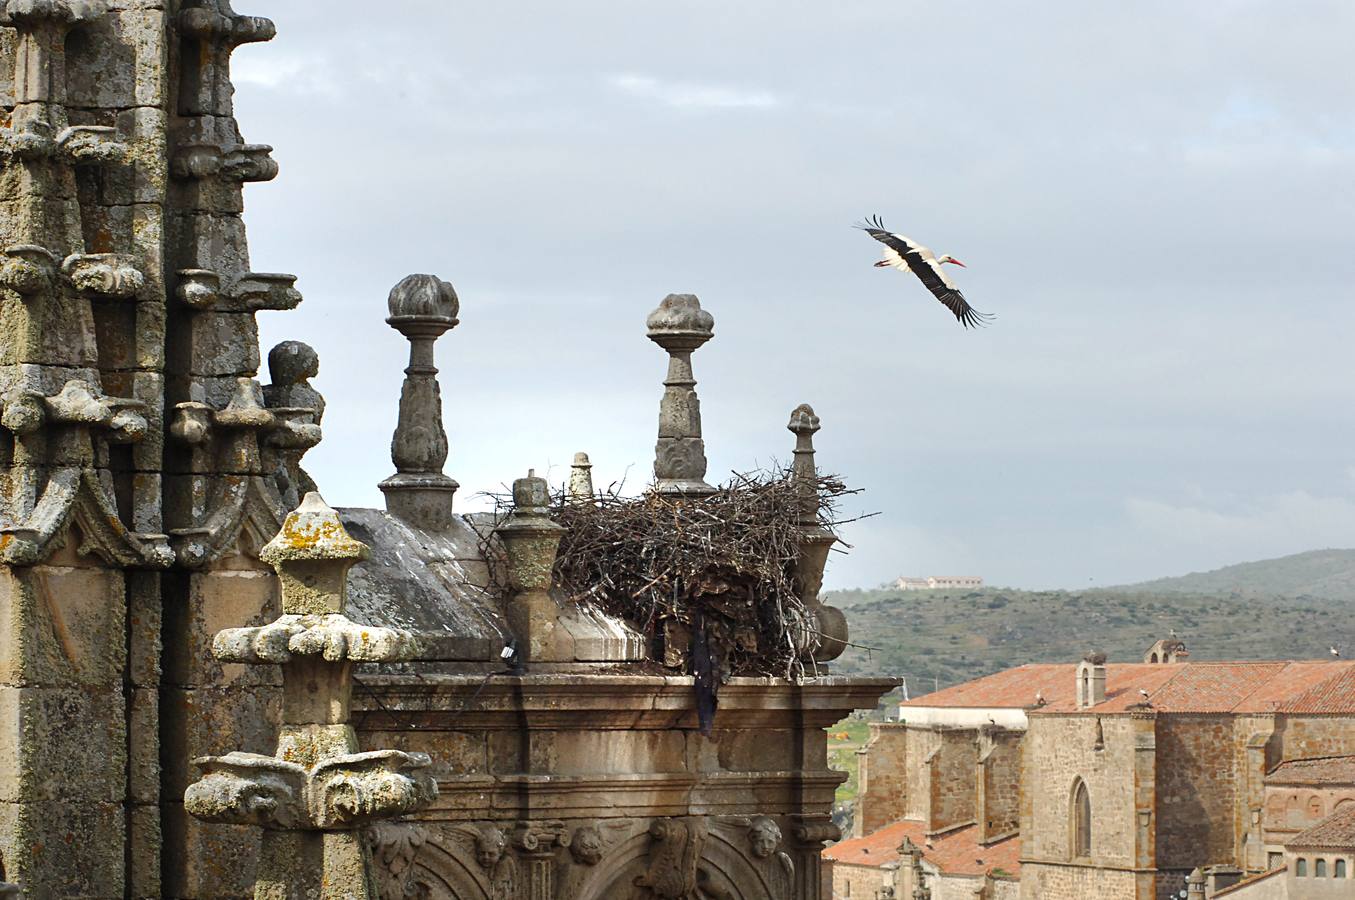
341,793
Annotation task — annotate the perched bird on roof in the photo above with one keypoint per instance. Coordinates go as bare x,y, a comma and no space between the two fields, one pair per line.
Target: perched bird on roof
1143,693
1336,654
908,255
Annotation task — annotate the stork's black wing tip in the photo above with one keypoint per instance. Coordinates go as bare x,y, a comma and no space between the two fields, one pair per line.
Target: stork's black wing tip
871,223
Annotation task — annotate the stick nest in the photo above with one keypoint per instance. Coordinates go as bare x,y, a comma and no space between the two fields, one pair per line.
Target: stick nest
723,565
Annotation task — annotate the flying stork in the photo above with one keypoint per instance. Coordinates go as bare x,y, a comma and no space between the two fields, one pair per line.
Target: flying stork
908,255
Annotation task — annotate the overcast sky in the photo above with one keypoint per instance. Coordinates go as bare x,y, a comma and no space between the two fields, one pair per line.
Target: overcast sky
1156,200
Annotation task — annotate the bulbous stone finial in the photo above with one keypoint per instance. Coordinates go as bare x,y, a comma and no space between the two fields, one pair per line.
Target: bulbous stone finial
312,553
424,299
679,325
422,308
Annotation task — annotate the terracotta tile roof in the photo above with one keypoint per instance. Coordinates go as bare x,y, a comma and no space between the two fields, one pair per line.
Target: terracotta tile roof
1009,689
953,853
1249,880
1337,831
1322,770
1223,687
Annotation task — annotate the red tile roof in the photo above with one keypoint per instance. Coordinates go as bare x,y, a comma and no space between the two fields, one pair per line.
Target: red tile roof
953,853
1009,689
1336,832
1326,686
1319,771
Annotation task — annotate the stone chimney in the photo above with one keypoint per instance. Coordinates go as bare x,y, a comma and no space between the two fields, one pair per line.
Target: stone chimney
422,307
1091,680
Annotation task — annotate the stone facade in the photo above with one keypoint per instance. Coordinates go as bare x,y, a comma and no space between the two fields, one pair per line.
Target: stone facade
156,714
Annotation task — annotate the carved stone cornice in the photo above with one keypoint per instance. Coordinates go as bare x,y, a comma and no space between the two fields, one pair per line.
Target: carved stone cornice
202,289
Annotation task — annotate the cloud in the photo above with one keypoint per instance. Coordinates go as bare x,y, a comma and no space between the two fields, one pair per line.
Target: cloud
1271,525
689,95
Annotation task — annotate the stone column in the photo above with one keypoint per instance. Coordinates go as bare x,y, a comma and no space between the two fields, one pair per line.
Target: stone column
828,623
422,307
316,793
530,541
679,325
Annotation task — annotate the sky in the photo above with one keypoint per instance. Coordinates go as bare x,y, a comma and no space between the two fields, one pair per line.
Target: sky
1155,200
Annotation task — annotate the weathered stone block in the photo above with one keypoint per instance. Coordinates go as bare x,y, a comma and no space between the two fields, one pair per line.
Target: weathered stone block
143,852
118,60
62,744
207,861
223,344
64,850
220,599
143,628
213,722
143,746
64,625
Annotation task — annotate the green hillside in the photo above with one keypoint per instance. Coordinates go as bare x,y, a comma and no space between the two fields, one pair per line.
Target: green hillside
945,637
1317,573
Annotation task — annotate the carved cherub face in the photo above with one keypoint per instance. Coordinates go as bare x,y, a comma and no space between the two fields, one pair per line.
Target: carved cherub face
586,845
765,837
489,847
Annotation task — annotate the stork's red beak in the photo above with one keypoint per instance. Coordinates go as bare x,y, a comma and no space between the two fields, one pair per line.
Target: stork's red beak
957,262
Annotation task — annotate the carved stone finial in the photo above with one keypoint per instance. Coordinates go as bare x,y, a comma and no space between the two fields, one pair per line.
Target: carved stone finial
679,325
299,409
828,631
422,308
531,540
317,790
313,553
581,480
803,424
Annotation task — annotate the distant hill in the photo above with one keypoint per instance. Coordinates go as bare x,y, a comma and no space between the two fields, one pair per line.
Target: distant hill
945,637
1317,573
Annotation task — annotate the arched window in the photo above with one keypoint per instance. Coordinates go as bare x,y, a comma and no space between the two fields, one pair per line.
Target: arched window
1340,869
1081,821
1301,868
1320,869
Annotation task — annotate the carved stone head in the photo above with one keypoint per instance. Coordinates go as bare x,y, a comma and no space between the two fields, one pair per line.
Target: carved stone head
490,844
292,362
586,845
765,836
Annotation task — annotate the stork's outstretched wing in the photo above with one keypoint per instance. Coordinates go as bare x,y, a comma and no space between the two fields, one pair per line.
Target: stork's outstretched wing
922,263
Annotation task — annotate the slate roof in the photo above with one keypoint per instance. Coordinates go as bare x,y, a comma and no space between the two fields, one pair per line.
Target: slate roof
1318,771
1336,832
953,853
1308,686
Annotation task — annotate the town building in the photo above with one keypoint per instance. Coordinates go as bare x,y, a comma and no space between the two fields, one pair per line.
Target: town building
187,709
1120,780
936,582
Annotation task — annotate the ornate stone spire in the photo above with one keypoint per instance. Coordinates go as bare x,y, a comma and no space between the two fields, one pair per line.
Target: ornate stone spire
679,325
316,793
422,307
829,624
